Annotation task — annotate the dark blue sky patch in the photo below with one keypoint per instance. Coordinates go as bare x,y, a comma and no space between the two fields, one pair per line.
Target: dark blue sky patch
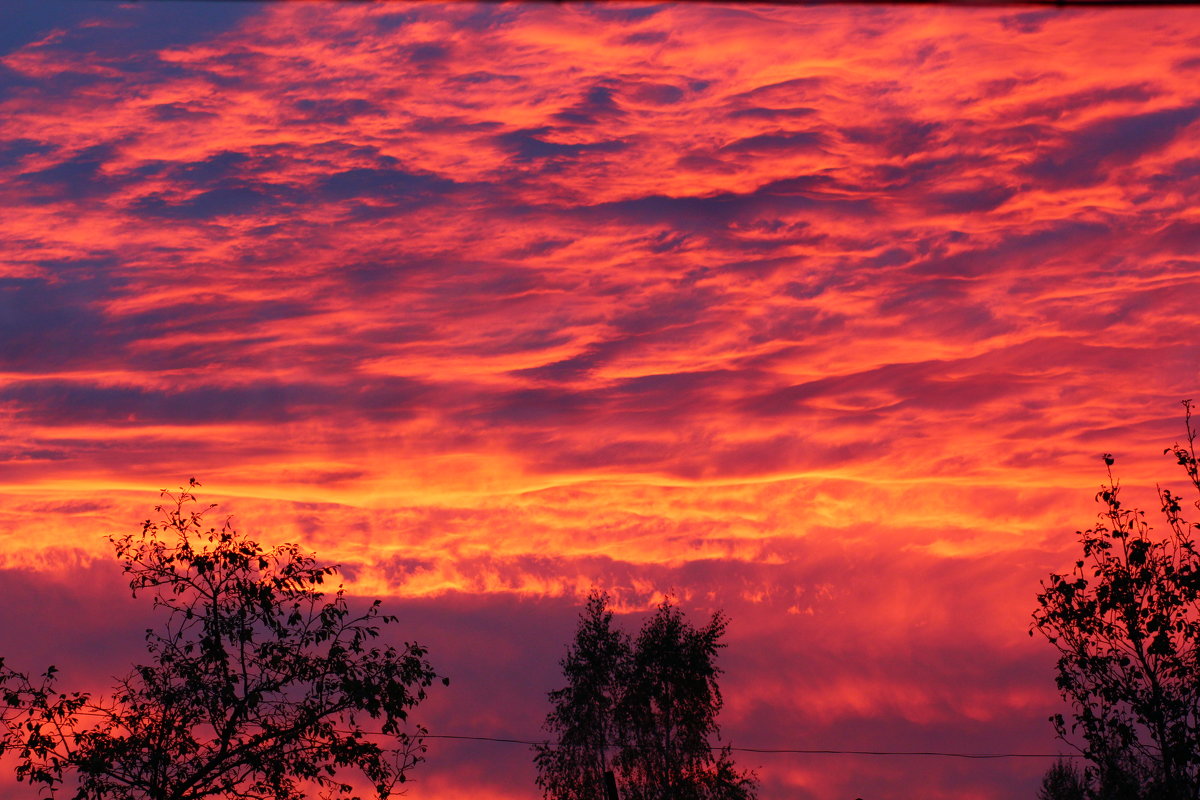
14,83
785,452
177,112
222,166
756,268
539,407
527,341
680,213
1026,250
799,184
792,400
383,398
386,273
32,89
484,284
1029,21
711,215
437,126
622,13
538,248
210,313
656,94
482,78
704,162
772,114
667,388
425,55
78,177
396,186
395,20
984,198
131,28
942,307
784,93
626,453
213,203
13,150
778,142
668,242
1086,155
48,326
26,454
812,286
334,112
247,352
891,257
566,370
1180,237
596,354
899,137
598,104
1054,108
490,16
646,38
666,309
796,323
918,172
399,333
65,402
69,402
524,145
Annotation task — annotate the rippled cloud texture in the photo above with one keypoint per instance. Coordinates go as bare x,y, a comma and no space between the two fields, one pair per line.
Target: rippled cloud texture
817,315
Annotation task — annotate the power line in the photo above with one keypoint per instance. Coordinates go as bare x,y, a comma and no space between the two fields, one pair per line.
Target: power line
763,750
794,750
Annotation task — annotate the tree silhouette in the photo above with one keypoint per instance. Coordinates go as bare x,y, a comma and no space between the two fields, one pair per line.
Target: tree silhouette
258,684
583,714
1126,623
654,702
668,712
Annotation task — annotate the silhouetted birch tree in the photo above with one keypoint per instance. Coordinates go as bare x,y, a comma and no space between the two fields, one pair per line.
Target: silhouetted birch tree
654,705
583,714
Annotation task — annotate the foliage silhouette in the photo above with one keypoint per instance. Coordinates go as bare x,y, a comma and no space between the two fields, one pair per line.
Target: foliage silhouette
1063,781
1126,623
583,714
258,687
653,701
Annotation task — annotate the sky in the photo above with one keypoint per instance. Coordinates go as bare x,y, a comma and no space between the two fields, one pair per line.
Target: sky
821,316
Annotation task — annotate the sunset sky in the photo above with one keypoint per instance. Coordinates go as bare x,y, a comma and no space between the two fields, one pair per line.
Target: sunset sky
818,315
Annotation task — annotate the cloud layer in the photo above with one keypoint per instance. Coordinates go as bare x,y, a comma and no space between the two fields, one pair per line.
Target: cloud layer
818,315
